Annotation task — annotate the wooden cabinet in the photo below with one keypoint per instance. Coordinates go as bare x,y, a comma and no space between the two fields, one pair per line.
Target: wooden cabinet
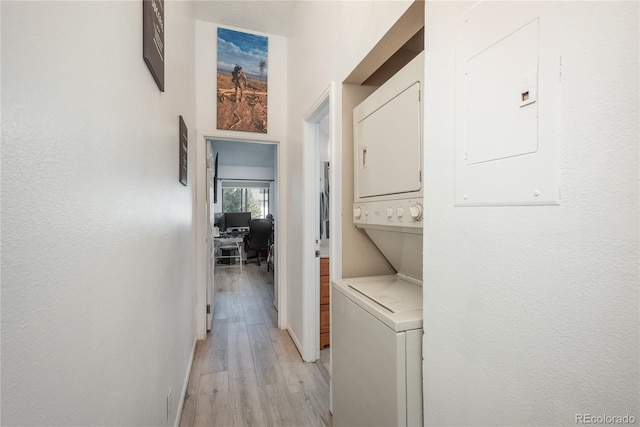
325,308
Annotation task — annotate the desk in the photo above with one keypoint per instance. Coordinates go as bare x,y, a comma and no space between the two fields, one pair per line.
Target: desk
231,244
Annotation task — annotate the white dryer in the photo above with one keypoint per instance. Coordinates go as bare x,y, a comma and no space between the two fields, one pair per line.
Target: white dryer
376,321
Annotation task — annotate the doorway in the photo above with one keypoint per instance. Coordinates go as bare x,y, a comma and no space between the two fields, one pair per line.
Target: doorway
236,166
321,229
244,190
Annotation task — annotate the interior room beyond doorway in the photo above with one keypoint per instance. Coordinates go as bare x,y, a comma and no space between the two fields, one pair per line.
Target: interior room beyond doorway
244,201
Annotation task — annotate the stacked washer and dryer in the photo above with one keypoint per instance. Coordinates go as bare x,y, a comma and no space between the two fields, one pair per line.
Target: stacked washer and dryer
377,321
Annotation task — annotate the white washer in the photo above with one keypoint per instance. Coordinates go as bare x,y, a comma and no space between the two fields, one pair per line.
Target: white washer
377,351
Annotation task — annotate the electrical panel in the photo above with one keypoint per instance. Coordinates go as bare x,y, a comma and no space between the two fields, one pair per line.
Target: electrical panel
507,90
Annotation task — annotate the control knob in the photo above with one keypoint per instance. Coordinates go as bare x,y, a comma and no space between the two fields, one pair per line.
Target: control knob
357,212
416,212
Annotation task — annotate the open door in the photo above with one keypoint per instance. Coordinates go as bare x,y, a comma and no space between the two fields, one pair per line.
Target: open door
321,137
210,174
322,227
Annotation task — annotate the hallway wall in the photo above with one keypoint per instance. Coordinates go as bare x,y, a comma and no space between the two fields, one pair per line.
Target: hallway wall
531,313
329,39
97,231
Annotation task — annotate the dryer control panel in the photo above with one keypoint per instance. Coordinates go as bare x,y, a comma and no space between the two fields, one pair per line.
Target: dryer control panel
403,213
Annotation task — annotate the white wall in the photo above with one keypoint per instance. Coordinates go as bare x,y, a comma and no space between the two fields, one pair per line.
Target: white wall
231,172
97,232
531,313
329,39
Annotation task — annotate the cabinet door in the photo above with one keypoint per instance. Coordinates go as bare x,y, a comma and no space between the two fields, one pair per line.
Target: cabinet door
324,266
325,316
324,340
324,290
325,309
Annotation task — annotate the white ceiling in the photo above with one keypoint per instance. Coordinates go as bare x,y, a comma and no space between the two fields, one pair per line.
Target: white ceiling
262,16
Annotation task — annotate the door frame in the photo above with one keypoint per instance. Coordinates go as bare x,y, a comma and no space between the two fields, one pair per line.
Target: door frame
202,226
326,104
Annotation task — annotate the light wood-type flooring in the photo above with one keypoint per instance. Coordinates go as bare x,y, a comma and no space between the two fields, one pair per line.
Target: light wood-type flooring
248,372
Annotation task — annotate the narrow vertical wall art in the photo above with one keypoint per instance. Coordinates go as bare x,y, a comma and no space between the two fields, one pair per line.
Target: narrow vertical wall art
183,151
242,81
153,39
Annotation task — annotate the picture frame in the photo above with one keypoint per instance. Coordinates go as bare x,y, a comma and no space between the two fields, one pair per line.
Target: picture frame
153,39
183,151
242,81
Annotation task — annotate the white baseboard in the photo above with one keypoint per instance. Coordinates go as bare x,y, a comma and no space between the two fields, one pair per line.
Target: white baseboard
295,340
185,384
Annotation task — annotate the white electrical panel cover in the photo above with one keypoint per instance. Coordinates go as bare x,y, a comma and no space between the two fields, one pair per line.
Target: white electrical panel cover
388,137
507,90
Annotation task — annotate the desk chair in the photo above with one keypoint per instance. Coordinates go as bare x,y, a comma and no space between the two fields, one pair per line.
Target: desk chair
259,236
233,247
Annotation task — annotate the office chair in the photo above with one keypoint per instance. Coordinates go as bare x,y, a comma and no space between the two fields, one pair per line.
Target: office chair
259,236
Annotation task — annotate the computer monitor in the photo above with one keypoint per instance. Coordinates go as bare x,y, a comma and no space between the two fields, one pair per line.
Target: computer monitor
236,220
218,220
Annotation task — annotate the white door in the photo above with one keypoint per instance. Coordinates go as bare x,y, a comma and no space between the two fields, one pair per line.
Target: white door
210,242
322,136
311,262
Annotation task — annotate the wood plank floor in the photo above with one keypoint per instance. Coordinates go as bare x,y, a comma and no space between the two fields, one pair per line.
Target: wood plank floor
248,372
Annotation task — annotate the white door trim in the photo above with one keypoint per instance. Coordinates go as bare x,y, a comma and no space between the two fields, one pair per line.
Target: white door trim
280,279
326,104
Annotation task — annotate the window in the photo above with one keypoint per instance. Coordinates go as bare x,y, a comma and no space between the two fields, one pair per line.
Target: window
254,198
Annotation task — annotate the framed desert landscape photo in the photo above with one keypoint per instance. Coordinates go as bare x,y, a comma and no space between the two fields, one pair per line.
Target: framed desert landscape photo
242,81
